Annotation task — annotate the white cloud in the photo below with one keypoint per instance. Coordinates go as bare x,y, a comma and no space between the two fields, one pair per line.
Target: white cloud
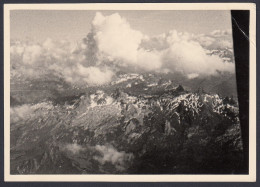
115,37
19,113
117,40
190,57
205,40
192,75
28,111
217,39
63,57
111,155
91,75
113,45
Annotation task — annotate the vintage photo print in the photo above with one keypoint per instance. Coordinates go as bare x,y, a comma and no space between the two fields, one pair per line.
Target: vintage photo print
129,92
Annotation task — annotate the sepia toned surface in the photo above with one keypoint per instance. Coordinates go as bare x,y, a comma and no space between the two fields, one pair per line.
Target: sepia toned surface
122,100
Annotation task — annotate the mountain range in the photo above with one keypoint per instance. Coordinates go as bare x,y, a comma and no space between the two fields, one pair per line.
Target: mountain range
138,124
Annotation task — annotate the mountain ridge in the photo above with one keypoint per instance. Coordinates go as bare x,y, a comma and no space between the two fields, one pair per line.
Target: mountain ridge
119,133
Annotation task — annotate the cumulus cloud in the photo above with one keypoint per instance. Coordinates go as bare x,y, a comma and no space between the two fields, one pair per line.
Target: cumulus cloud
189,57
112,45
205,40
174,50
217,39
111,155
19,113
29,111
116,38
103,154
91,75
121,44
67,59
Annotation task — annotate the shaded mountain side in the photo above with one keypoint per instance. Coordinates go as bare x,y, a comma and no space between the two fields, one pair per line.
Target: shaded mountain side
113,132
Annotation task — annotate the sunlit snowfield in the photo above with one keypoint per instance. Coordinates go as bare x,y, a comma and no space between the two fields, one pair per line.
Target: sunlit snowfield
123,100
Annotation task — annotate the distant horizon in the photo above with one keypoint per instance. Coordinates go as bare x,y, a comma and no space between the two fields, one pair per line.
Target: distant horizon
74,25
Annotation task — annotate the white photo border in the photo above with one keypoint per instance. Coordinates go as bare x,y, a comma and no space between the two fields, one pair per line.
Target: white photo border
251,177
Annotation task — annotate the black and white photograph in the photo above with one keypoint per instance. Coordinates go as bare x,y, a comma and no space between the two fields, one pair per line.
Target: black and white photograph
124,92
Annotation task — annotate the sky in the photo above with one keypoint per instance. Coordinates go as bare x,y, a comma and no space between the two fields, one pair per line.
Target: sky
75,24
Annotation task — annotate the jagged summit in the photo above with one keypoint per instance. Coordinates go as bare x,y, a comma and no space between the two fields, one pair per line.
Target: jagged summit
117,132
179,88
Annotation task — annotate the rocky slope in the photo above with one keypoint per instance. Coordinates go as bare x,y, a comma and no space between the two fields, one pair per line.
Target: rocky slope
135,125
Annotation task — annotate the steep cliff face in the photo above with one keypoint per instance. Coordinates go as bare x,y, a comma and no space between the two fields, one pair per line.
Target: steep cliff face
116,131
